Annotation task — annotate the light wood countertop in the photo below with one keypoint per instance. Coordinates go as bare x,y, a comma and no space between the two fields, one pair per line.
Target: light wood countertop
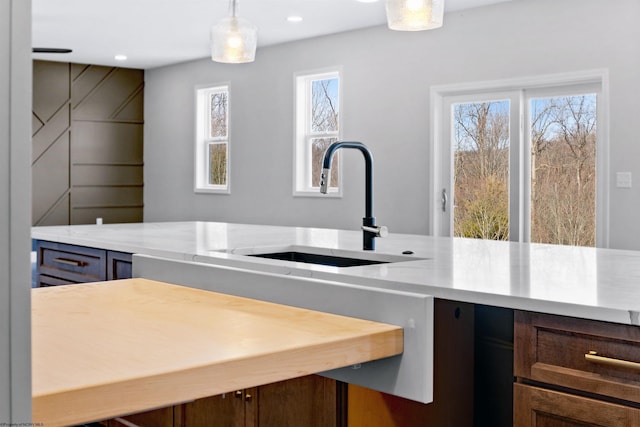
110,348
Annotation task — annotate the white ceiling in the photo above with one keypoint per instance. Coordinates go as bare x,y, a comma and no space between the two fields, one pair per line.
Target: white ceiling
154,33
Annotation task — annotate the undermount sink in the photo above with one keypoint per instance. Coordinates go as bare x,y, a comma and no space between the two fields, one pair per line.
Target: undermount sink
323,256
335,261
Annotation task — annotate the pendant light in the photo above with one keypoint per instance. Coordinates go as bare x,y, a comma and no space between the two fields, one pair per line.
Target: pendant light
414,15
233,39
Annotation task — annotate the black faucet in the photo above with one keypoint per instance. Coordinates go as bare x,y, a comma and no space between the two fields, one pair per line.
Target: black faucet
369,229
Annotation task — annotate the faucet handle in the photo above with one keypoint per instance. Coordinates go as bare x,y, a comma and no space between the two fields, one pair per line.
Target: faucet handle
379,231
325,177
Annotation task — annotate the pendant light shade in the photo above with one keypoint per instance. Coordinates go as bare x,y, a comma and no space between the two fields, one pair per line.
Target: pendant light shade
414,15
233,39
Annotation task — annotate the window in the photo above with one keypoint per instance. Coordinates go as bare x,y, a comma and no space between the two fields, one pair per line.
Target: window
317,126
526,163
563,150
480,146
212,140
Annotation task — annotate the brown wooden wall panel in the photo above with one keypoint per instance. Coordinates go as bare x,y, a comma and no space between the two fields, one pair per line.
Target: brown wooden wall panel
87,149
51,88
106,143
57,127
50,176
108,215
110,91
50,142
95,197
133,110
85,79
57,214
98,175
77,69
36,123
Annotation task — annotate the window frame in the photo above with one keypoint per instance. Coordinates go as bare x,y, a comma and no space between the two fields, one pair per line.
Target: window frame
303,134
203,141
523,89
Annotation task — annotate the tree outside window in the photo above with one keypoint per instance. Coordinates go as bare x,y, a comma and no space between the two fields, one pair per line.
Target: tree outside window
563,169
218,136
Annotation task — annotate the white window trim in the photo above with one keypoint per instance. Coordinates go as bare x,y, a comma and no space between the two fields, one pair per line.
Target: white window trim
301,149
598,77
201,160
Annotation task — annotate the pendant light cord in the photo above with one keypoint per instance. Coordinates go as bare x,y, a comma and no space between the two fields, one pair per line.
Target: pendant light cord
232,6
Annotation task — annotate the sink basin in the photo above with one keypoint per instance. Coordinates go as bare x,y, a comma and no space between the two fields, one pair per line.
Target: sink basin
335,261
323,256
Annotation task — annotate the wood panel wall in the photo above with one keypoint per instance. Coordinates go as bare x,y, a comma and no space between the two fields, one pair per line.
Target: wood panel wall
87,158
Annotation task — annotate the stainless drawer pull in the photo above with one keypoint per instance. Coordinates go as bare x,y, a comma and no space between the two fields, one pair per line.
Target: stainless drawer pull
592,356
70,262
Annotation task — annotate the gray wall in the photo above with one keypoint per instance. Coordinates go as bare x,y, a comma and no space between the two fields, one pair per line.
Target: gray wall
387,76
15,211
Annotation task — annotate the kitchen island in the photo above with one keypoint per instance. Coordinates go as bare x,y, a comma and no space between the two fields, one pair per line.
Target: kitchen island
593,287
590,283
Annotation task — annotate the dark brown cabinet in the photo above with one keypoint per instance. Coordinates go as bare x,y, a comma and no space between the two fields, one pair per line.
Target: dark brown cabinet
310,401
575,372
62,264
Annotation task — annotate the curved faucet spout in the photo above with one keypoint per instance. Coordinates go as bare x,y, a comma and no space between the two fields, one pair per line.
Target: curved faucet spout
325,177
368,222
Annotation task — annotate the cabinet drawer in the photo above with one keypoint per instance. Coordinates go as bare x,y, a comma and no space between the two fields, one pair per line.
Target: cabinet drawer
556,350
540,407
72,264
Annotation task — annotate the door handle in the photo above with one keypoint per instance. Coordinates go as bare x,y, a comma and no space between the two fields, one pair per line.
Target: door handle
444,200
72,262
594,357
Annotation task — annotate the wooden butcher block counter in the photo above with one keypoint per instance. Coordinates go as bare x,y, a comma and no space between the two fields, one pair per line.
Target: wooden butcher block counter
105,349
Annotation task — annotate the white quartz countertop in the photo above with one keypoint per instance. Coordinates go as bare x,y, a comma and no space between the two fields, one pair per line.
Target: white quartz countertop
599,284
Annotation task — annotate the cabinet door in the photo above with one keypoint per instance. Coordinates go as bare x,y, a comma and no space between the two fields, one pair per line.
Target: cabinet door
225,410
309,401
540,407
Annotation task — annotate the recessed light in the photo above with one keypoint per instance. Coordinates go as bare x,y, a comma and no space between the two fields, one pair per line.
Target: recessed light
367,1
120,57
294,18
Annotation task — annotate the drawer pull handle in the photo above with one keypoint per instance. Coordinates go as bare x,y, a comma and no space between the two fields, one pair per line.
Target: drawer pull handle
70,262
592,356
